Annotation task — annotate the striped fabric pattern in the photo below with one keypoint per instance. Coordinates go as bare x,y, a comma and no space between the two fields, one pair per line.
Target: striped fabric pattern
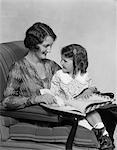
9,53
105,101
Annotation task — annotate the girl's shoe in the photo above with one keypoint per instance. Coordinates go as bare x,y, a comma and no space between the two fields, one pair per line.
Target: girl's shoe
104,140
106,143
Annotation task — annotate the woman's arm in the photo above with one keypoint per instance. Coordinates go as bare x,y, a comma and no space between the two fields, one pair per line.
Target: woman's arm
14,95
18,94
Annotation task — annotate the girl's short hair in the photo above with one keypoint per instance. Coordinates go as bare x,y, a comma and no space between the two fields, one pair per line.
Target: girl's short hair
36,34
79,56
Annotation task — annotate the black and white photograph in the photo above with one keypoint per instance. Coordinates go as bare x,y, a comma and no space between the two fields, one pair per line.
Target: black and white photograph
58,74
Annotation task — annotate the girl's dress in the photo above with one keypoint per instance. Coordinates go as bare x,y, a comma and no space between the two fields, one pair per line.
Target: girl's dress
64,85
68,89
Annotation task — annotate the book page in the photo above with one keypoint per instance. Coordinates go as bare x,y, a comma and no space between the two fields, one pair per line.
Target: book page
91,103
81,106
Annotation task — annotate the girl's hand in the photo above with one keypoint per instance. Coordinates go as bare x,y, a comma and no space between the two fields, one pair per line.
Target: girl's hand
93,89
87,93
45,98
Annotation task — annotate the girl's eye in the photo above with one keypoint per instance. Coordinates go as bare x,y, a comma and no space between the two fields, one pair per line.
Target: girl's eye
46,46
64,60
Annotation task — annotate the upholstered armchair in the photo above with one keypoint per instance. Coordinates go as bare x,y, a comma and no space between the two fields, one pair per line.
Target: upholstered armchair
23,129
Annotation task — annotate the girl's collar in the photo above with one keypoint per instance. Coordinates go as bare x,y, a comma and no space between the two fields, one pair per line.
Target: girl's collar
66,78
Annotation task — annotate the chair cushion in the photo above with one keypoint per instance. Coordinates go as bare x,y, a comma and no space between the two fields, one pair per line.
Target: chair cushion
35,112
32,130
25,131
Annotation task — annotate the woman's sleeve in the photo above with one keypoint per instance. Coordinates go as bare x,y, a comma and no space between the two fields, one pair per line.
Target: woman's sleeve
13,97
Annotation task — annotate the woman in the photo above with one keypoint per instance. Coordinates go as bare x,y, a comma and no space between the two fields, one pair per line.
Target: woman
33,72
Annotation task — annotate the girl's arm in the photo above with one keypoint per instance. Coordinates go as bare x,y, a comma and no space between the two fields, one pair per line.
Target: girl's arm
90,88
56,89
91,85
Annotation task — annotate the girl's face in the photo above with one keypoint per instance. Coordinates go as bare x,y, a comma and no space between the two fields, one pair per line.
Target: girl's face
45,47
67,65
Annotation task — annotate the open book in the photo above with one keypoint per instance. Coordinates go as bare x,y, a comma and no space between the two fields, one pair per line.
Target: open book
80,106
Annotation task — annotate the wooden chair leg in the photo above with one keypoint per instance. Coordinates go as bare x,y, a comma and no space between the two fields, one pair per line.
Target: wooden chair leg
72,133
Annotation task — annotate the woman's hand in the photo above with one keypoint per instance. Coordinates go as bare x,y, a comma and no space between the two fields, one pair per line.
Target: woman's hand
45,98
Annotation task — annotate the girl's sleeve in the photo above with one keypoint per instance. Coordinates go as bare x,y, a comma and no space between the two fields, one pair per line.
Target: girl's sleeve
90,82
13,97
55,85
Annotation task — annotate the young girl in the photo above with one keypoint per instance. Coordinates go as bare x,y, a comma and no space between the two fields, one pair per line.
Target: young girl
71,80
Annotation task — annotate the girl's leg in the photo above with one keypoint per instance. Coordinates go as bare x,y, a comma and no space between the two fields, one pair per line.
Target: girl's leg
94,118
85,124
99,129
109,120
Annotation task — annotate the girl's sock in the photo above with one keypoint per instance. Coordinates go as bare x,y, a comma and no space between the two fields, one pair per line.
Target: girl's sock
103,136
100,125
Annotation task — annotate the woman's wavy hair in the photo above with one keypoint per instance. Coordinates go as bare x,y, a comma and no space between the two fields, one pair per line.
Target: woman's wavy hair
79,56
36,34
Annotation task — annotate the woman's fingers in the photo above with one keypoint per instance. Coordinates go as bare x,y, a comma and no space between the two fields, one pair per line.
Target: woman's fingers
49,99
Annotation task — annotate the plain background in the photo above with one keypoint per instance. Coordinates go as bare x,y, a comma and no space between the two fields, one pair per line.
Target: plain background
91,23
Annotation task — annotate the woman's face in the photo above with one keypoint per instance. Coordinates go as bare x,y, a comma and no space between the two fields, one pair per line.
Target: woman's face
45,47
67,65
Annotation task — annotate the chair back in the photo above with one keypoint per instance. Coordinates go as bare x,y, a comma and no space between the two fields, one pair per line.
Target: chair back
9,53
